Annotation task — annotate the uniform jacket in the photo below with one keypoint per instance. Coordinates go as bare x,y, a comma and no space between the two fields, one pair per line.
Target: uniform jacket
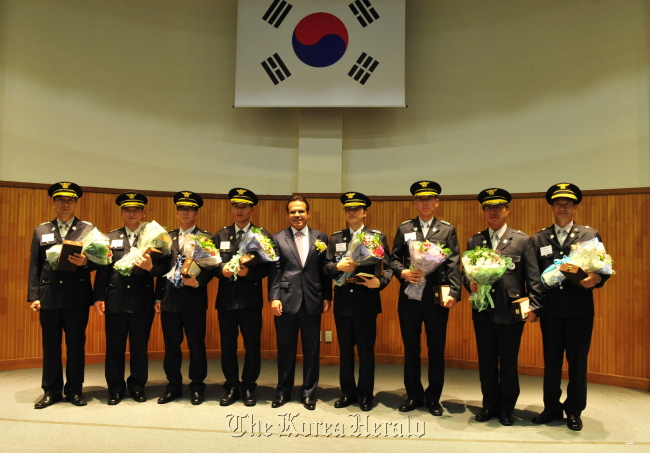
185,298
352,299
567,300
448,273
125,294
57,289
245,292
520,280
290,282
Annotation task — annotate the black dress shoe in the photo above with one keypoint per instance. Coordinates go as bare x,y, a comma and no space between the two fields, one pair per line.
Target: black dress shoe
279,401
230,397
573,422
484,415
309,402
435,409
505,418
139,396
47,401
249,398
344,401
168,397
547,417
365,404
410,405
114,399
77,400
196,398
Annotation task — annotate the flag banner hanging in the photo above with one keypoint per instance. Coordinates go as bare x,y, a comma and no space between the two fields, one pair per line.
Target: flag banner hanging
320,53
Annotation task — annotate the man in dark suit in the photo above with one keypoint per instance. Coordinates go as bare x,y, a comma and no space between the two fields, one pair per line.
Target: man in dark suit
356,305
498,330
299,292
240,302
184,308
128,302
567,319
433,309
62,298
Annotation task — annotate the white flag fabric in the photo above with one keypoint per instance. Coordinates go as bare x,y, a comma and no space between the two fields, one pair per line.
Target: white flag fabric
320,53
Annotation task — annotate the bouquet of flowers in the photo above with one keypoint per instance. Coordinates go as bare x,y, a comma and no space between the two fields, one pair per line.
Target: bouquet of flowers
484,266
151,235
365,249
95,247
426,257
255,242
201,250
590,256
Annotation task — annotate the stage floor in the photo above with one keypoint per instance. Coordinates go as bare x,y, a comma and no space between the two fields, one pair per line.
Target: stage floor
615,418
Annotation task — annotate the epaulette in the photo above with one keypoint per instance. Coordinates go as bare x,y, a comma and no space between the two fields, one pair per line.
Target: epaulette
44,223
406,221
116,229
477,233
445,222
86,222
377,231
541,230
520,232
337,232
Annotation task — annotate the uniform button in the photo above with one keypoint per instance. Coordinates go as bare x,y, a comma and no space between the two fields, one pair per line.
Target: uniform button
351,290
128,286
61,281
493,290
561,287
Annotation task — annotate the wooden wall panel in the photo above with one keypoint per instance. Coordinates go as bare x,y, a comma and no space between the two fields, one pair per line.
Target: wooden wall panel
619,354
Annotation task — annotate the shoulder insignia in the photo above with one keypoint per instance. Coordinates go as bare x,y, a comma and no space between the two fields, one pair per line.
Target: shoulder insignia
406,221
116,229
377,231
44,223
519,232
337,232
84,221
445,222
477,234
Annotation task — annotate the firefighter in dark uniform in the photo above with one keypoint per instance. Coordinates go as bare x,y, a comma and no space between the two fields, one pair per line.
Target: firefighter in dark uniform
356,305
62,298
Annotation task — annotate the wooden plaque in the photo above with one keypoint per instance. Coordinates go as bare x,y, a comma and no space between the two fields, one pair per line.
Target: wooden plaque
68,248
573,273
522,306
439,293
189,266
249,260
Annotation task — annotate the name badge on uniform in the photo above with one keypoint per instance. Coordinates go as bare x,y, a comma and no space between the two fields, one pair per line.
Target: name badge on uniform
341,247
49,237
546,251
409,237
224,245
115,243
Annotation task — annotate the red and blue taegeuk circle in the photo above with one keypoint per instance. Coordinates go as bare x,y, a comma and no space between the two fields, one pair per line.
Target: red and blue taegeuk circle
320,40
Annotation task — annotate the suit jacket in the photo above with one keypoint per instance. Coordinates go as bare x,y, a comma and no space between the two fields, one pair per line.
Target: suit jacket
185,298
125,294
57,289
566,300
352,299
245,292
520,280
292,283
448,273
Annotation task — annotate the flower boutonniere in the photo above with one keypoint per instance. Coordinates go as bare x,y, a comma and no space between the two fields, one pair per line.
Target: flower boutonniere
320,246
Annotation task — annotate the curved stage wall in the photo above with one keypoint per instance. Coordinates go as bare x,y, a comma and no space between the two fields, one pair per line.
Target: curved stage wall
620,353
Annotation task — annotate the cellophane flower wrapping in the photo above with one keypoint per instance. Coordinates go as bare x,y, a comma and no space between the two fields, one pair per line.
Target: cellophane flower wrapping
96,247
365,249
52,255
484,266
201,249
426,257
253,241
590,256
151,235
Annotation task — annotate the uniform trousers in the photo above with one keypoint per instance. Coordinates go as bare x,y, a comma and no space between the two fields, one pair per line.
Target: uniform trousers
573,336
137,328
249,321
435,326
498,354
287,327
362,332
54,322
193,324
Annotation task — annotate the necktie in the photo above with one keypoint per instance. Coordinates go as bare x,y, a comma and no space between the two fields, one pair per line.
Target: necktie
425,228
132,239
300,242
240,235
561,236
181,239
495,240
63,229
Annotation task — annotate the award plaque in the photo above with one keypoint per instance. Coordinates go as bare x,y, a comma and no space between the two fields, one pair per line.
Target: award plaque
439,293
68,248
356,278
189,266
573,273
521,306
249,260
155,255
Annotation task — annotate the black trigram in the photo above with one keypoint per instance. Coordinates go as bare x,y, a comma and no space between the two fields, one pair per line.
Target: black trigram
277,12
363,68
276,69
364,12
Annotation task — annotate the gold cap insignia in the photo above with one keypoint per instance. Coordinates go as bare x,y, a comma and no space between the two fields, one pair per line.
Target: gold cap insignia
131,195
491,191
65,185
241,191
424,183
187,194
563,186
350,195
